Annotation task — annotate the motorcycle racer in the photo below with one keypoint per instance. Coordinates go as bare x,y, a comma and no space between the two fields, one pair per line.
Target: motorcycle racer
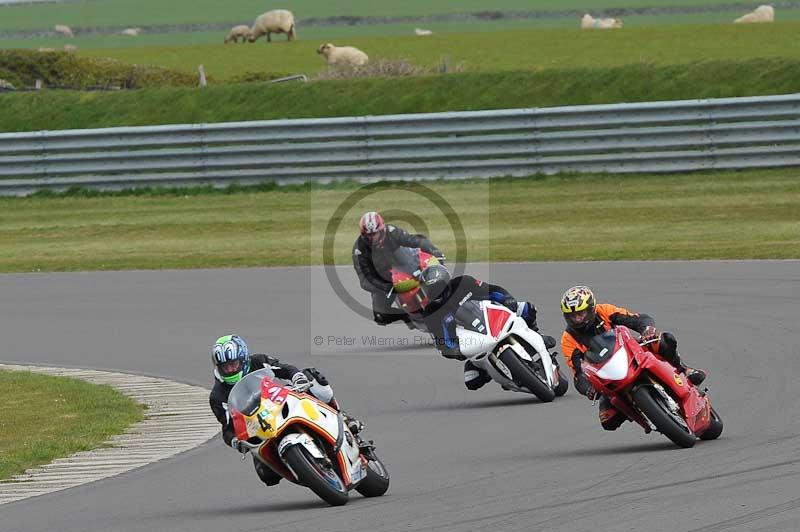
372,258
444,295
585,318
232,361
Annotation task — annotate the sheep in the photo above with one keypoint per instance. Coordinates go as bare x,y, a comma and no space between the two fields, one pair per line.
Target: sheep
420,31
589,22
63,30
759,14
131,32
342,55
70,48
275,21
6,86
236,32
42,49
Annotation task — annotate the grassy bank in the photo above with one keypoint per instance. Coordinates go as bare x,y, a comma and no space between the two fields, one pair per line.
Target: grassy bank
730,215
78,416
452,92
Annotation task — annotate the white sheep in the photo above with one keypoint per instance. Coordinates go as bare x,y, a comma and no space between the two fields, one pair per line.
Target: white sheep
589,22
420,31
70,48
6,86
342,55
275,21
131,32
43,49
759,14
63,30
242,31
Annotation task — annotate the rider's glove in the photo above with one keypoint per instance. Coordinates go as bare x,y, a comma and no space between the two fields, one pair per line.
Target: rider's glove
583,386
453,352
510,303
648,334
300,380
238,445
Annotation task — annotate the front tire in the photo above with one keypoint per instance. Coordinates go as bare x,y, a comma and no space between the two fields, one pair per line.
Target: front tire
714,429
318,477
652,405
377,481
524,376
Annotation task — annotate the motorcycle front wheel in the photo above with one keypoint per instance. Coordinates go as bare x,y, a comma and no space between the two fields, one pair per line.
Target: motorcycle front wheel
525,376
316,475
654,407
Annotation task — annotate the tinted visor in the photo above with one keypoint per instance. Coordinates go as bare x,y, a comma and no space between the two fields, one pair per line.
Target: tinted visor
232,367
579,319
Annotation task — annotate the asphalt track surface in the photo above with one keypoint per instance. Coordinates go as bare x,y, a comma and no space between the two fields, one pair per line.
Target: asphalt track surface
459,460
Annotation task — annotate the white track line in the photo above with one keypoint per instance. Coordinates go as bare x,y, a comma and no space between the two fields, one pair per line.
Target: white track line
172,408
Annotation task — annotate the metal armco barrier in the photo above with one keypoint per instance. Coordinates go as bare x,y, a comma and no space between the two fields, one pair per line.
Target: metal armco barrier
753,132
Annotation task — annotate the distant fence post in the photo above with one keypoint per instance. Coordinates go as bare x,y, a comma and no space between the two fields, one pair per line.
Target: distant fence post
202,72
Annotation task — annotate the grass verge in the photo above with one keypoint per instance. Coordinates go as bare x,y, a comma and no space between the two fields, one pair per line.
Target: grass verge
78,416
377,96
725,215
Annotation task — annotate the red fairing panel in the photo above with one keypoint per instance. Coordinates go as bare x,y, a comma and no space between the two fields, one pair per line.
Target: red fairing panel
497,320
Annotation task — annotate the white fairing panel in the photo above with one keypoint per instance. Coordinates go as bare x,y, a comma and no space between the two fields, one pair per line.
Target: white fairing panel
473,343
616,368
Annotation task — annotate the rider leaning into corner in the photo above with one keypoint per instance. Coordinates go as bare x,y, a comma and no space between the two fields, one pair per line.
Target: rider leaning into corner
444,295
232,361
586,319
372,259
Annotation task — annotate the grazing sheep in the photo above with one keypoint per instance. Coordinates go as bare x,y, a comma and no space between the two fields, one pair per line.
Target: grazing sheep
63,30
236,32
70,48
6,86
420,31
275,21
759,14
342,55
131,32
41,49
589,22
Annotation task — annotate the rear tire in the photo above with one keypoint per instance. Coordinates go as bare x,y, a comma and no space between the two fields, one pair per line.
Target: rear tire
524,376
377,481
318,477
714,429
563,384
652,404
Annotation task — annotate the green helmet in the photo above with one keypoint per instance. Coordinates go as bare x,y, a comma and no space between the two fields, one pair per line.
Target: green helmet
231,359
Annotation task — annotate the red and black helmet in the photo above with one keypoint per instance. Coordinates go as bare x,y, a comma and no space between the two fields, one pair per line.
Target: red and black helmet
372,226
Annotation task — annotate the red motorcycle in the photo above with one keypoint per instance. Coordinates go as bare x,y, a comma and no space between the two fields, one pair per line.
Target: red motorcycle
649,390
407,264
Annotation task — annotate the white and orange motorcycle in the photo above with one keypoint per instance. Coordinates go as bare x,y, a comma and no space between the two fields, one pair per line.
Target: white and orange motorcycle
498,341
303,439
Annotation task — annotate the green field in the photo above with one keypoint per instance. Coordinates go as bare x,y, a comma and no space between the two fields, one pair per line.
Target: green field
78,416
128,13
730,215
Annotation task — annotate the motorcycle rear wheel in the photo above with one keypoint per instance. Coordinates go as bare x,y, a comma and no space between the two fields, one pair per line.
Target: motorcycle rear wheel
525,376
377,481
318,477
652,405
714,429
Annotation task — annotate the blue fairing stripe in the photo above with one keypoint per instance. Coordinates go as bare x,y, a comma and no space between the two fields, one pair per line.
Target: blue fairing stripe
449,342
497,297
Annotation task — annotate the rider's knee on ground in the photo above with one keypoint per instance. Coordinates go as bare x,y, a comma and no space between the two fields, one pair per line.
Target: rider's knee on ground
614,423
267,475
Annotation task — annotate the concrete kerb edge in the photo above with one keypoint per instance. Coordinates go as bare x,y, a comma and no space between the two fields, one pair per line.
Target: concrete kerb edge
19,487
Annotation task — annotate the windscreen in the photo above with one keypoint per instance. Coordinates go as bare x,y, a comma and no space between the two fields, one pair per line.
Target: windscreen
246,394
601,347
